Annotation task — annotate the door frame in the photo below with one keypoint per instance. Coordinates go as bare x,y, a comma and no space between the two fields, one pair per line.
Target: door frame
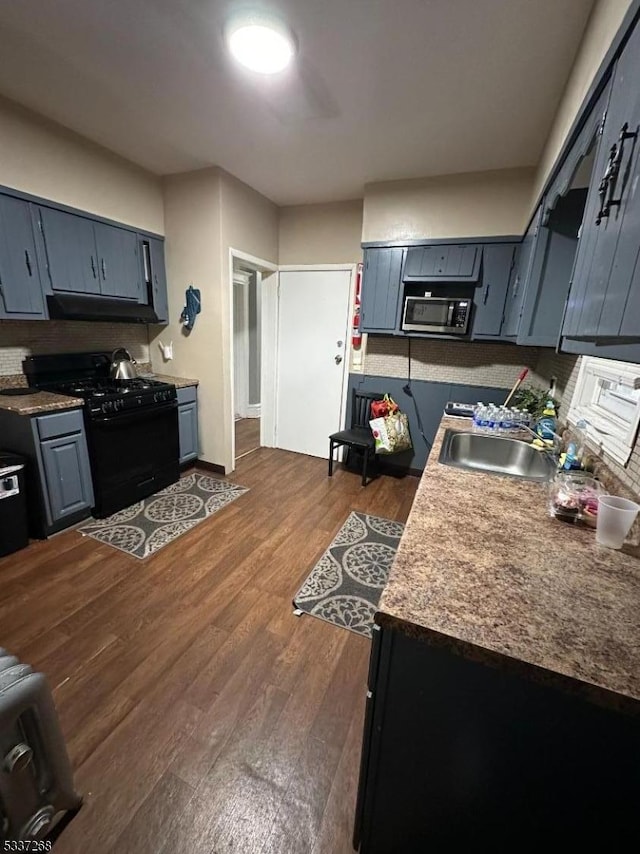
320,268
261,266
242,382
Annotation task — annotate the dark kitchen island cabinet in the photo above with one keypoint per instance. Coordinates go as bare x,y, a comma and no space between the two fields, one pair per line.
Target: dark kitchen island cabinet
459,754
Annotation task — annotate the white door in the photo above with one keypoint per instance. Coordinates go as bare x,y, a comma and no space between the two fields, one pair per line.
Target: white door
313,323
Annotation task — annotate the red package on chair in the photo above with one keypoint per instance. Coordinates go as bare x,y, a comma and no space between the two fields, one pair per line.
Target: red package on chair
384,407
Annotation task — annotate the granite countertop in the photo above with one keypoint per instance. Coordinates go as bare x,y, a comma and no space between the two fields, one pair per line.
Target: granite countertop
485,571
178,382
39,403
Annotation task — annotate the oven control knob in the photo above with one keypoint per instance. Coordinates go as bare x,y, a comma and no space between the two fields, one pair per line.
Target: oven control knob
18,758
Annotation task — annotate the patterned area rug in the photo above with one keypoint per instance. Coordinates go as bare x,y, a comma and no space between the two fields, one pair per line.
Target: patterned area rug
148,525
345,585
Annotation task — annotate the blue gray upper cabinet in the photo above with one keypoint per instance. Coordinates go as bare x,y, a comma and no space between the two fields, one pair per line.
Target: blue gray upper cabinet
71,255
519,278
158,279
381,288
452,263
489,300
20,287
605,296
550,275
118,268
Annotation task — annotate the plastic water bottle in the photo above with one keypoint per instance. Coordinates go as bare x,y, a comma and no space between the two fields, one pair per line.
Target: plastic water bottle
506,420
494,418
484,419
477,416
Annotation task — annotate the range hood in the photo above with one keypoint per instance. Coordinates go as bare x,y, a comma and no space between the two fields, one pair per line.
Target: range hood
108,309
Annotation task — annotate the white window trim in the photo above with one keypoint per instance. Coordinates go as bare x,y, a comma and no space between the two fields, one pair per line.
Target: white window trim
612,435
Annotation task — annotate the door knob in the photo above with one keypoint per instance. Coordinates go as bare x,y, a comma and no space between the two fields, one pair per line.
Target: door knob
338,359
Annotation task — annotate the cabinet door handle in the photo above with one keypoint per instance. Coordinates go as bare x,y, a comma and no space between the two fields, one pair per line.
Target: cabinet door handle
486,293
104,268
27,261
93,267
625,134
603,213
515,287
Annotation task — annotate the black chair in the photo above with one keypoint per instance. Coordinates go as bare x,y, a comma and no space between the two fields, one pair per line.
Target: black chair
358,438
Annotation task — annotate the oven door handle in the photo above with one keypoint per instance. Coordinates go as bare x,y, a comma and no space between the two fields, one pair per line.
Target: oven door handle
136,416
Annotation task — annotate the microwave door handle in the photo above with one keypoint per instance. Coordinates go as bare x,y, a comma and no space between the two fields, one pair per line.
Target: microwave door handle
450,315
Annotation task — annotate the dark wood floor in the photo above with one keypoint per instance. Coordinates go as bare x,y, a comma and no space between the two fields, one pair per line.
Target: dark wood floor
247,436
200,714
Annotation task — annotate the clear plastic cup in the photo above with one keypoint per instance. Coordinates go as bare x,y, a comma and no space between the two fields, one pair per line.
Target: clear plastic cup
615,517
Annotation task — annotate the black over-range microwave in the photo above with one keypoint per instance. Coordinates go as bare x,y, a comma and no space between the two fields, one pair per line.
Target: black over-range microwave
436,314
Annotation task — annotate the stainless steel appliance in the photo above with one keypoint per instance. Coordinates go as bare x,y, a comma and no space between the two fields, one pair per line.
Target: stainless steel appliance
123,366
436,314
13,504
132,425
36,783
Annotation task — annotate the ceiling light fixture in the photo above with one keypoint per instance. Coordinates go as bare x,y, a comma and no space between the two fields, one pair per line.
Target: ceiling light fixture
260,44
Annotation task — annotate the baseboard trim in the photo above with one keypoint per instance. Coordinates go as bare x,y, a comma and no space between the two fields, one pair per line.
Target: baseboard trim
214,467
253,410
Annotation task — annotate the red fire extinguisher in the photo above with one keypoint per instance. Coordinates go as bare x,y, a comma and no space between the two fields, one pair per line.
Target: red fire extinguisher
356,334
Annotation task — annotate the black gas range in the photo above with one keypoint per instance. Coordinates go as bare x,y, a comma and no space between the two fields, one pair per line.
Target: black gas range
132,425
106,398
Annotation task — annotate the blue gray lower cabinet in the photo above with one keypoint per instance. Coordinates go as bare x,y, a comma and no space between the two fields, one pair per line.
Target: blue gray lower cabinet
458,754
188,423
430,398
63,462
68,477
58,474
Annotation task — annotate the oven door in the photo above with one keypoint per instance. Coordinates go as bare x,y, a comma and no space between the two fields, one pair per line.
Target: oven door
133,455
428,314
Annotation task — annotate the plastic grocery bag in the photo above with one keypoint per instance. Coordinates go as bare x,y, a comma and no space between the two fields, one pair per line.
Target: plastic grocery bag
391,433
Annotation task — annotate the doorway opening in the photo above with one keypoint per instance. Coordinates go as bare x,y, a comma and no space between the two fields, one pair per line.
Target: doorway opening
247,358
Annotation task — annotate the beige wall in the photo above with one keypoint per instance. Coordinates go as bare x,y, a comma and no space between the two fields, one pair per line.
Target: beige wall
192,251
602,26
206,213
472,204
248,224
321,234
43,158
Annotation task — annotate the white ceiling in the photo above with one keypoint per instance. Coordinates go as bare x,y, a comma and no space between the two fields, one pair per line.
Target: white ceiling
380,89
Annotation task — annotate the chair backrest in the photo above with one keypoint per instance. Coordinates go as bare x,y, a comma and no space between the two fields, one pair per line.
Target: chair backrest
361,407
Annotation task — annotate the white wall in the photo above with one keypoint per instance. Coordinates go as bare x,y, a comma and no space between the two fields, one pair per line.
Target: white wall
207,212
471,204
602,26
192,250
321,234
45,159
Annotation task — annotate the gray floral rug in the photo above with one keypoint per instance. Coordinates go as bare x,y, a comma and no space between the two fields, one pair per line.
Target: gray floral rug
148,525
345,585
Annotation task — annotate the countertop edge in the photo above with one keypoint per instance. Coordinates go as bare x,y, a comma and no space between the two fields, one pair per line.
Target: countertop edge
595,694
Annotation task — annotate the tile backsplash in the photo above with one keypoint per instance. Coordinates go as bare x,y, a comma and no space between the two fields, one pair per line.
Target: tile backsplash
566,369
489,365
30,337
450,361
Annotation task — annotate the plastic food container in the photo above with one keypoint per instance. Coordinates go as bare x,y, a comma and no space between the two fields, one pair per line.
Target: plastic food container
573,497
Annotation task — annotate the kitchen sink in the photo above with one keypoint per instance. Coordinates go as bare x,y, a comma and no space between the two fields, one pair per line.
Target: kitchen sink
495,455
